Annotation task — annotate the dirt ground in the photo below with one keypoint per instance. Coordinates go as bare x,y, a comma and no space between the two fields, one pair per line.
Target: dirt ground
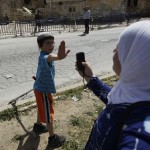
16,134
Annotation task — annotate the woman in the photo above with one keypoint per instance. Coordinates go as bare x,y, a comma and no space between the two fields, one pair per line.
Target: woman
125,122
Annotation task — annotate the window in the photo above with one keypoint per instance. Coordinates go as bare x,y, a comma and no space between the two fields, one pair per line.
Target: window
128,4
13,4
60,3
135,2
132,3
72,9
45,3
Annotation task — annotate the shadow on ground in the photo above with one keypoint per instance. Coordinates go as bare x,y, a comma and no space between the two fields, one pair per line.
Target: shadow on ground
28,141
83,34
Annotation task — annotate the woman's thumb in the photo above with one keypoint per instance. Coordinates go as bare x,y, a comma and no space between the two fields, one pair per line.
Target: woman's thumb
84,64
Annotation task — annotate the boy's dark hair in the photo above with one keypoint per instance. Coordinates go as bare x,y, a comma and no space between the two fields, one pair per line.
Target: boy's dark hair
42,37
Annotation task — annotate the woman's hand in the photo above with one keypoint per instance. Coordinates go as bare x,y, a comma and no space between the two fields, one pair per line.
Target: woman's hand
62,53
87,73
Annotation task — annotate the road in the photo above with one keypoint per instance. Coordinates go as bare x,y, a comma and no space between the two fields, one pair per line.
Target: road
19,56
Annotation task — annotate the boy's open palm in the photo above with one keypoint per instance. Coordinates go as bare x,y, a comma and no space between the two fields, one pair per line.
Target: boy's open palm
62,52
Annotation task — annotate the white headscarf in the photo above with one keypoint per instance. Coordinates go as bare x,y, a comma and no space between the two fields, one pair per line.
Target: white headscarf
134,57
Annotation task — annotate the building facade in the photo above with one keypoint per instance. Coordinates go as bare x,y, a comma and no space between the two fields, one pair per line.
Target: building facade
70,8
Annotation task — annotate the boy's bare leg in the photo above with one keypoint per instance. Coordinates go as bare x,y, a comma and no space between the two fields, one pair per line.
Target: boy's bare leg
39,127
48,125
54,140
38,118
50,129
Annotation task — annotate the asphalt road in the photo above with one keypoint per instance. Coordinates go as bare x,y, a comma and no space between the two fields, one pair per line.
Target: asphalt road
19,56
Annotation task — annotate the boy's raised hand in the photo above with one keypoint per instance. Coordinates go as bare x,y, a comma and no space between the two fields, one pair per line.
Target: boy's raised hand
62,52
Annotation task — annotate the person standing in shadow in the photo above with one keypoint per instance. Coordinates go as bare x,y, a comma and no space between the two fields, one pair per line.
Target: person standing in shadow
38,22
86,17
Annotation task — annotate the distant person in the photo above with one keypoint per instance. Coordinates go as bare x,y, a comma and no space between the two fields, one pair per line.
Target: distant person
124,124
44,87
86,17
63,20
6,18
38,21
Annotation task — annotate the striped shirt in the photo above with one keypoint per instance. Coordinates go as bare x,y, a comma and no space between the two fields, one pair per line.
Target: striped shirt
45,75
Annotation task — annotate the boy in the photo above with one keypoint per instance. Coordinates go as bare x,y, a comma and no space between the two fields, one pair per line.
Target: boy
44,85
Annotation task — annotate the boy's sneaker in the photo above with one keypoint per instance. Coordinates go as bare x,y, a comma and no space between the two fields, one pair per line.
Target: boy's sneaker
39,128
56,141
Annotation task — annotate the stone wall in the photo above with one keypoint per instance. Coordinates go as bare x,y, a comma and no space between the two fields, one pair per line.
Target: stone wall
144,7
14,8
74,8
64,8
70,8
9,7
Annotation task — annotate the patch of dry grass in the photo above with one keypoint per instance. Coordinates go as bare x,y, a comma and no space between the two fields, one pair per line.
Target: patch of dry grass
73,118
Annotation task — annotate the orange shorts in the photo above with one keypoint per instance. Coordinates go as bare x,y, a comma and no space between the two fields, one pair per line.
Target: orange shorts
45,106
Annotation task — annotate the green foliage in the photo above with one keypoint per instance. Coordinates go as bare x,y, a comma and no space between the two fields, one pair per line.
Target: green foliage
99,108
70,93
79,121
7,114
75,121
80,125
71,144
16,138
10,113
89,113
110,80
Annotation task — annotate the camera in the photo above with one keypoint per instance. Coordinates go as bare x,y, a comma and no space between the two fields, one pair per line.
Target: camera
80,57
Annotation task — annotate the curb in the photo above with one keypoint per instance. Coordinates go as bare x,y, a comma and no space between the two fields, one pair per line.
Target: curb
59,90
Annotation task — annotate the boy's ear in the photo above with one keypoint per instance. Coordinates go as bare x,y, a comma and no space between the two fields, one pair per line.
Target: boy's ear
40,45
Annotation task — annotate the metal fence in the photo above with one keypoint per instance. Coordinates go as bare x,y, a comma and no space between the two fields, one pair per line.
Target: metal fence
20,28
